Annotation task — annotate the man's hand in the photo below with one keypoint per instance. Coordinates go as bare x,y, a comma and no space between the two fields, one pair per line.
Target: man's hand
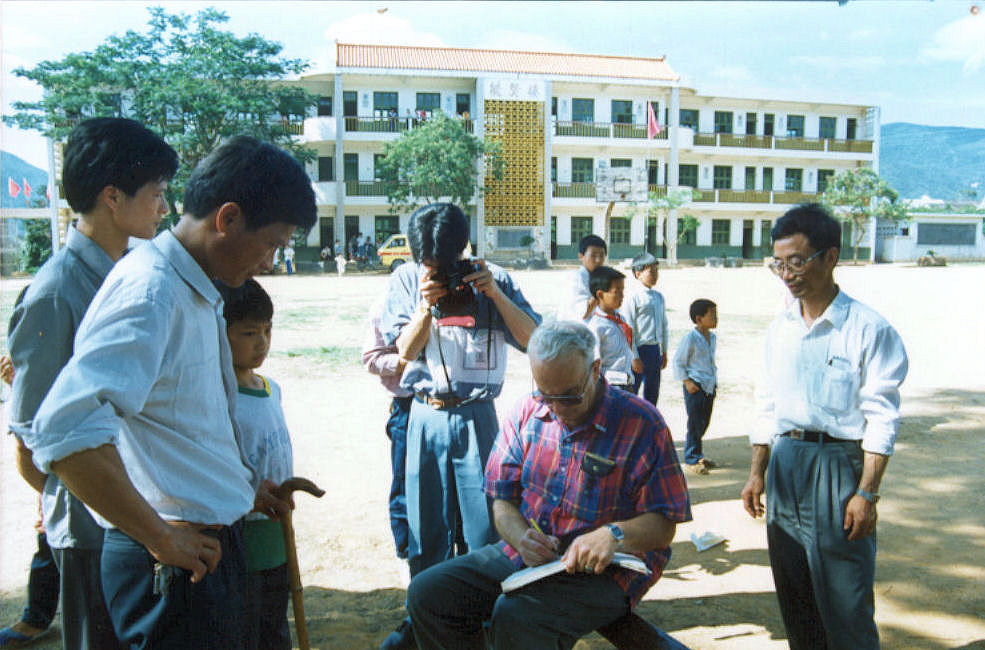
663,362
482,280
185,547
860,518
267,504
536,548
691,387
752,496
6,370
432,290
591,552
637,366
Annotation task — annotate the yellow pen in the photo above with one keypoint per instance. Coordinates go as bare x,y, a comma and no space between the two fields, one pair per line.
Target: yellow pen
533,524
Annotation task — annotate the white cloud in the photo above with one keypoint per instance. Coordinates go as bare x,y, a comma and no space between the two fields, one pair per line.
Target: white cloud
830,63
962,41
505,39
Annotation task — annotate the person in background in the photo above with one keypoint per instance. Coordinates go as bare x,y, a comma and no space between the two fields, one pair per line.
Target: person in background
694,366
592,252
615,346
644,311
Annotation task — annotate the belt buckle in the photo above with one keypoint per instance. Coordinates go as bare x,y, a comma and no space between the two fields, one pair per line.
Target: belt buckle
436,403
797,434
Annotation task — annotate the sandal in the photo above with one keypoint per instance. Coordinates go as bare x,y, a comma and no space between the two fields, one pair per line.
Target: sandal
697,468
708,463
11,638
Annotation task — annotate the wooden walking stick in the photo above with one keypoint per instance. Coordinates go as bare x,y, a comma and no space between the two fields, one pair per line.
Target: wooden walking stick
283,492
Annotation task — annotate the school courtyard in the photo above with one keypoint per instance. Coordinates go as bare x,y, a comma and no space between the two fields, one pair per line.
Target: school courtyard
931,535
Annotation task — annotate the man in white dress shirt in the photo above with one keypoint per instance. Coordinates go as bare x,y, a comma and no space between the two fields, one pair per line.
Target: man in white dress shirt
827,418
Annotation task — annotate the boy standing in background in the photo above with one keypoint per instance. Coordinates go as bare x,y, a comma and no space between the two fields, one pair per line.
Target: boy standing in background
614,337
646,314
592,252
266,446
694,364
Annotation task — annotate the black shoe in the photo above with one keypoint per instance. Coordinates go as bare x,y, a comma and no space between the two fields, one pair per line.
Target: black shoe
401,639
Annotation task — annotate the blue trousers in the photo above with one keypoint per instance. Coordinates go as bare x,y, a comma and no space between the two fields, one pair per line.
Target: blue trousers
698,406
650,378
267,593
448,512
823,581
85,621
42,587
396,429
180,615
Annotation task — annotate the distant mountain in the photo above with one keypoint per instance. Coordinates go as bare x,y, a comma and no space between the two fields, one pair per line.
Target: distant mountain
12,167
940,161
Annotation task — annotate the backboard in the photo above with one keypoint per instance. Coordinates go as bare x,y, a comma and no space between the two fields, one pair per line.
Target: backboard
621,184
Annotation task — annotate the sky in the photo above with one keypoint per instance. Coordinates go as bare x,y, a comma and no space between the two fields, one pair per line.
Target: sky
919,61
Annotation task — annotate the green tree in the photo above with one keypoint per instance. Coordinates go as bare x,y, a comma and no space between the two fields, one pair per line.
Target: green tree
857,195
185,79
435,160
36,247
660,207
688,225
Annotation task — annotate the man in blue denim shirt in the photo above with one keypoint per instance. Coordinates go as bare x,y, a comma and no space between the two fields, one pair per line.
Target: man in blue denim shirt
114,176
138,424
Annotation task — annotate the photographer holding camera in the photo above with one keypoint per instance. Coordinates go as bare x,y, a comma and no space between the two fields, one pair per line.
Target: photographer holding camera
451,317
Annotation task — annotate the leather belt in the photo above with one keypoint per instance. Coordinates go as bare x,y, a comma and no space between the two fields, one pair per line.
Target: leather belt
813,436
439,403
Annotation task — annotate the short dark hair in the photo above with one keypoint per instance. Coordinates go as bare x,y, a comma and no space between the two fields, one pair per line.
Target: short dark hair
601,279
438,232
267,183
642,261
700,307
248,301
811,220
113,151
591,240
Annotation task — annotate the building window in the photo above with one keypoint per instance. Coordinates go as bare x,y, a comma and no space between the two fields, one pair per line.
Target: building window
851,128
463,104
553,106
794,181
512,238
824,177
581,170
384,104
750,124
326,168
768,123
619,230
723,121
826,129
750,178
350,167
765,234
428,102
554,169
349,103
689,238
689,118
620,162
795,126
622,111
688,175
721,231
580,227
386,225
377,159
652,169
946,234
656,113
767,179
324,106
326,230
582,110
723,177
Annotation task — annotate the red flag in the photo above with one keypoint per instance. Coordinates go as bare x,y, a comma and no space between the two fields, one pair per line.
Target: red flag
27,189
47,191
13,189
652,125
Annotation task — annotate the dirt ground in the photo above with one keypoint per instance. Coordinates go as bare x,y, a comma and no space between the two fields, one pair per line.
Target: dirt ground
930,571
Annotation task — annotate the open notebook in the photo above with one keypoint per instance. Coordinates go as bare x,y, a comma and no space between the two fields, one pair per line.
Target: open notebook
535,573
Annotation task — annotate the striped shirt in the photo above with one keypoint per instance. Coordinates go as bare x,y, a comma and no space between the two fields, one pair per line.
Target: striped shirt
537,463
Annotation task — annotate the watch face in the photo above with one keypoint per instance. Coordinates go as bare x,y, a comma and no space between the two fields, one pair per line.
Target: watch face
616,532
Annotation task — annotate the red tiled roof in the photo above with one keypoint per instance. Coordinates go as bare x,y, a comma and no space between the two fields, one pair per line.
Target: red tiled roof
445,58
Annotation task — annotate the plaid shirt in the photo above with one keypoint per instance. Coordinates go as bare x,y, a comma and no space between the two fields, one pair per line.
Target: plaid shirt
538,463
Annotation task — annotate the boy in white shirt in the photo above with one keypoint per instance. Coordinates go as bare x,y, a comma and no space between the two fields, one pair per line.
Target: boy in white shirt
592,252
694,365
615,346
644,311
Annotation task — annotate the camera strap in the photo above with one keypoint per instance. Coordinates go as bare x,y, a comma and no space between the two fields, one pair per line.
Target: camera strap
484,391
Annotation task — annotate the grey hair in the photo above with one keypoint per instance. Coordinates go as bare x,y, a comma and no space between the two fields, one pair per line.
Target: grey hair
560,339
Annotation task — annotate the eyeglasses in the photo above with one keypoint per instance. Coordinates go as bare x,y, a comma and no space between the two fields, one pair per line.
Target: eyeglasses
795,265
564,400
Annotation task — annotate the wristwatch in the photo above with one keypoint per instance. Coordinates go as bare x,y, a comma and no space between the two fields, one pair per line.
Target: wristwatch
617,533
871,497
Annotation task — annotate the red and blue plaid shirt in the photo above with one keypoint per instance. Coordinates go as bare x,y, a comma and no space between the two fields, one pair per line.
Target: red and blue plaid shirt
539,464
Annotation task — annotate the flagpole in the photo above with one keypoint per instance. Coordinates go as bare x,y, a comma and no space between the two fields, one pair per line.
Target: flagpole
53,201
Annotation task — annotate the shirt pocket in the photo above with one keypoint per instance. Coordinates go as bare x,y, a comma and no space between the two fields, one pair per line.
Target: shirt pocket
837,386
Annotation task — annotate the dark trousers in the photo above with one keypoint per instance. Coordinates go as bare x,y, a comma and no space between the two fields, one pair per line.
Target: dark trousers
267,593
396,429
42,587
179,615
824,582
450,602
650,378
85,621
698,406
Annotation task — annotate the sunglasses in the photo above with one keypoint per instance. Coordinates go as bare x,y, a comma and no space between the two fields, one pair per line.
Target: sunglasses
564,400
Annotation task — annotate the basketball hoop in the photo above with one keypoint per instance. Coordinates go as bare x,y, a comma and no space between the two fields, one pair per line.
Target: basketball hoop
621,185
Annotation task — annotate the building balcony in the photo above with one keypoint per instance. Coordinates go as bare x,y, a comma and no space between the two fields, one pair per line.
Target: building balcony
365,188
573,190
657,191
604,130
390,124
781,143
587,191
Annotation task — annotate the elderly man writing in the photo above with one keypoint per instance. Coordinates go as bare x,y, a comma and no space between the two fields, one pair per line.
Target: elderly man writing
579,471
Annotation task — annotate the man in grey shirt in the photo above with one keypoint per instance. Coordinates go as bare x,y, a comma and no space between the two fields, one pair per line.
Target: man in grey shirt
115,173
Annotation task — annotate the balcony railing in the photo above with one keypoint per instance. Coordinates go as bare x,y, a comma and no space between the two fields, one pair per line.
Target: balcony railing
794,197
604,130
802,144
574,190
743,196
390,124
853,146
786,143
751,141
364,188
657,191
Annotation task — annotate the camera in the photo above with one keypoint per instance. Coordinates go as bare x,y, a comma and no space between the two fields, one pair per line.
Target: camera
460,299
